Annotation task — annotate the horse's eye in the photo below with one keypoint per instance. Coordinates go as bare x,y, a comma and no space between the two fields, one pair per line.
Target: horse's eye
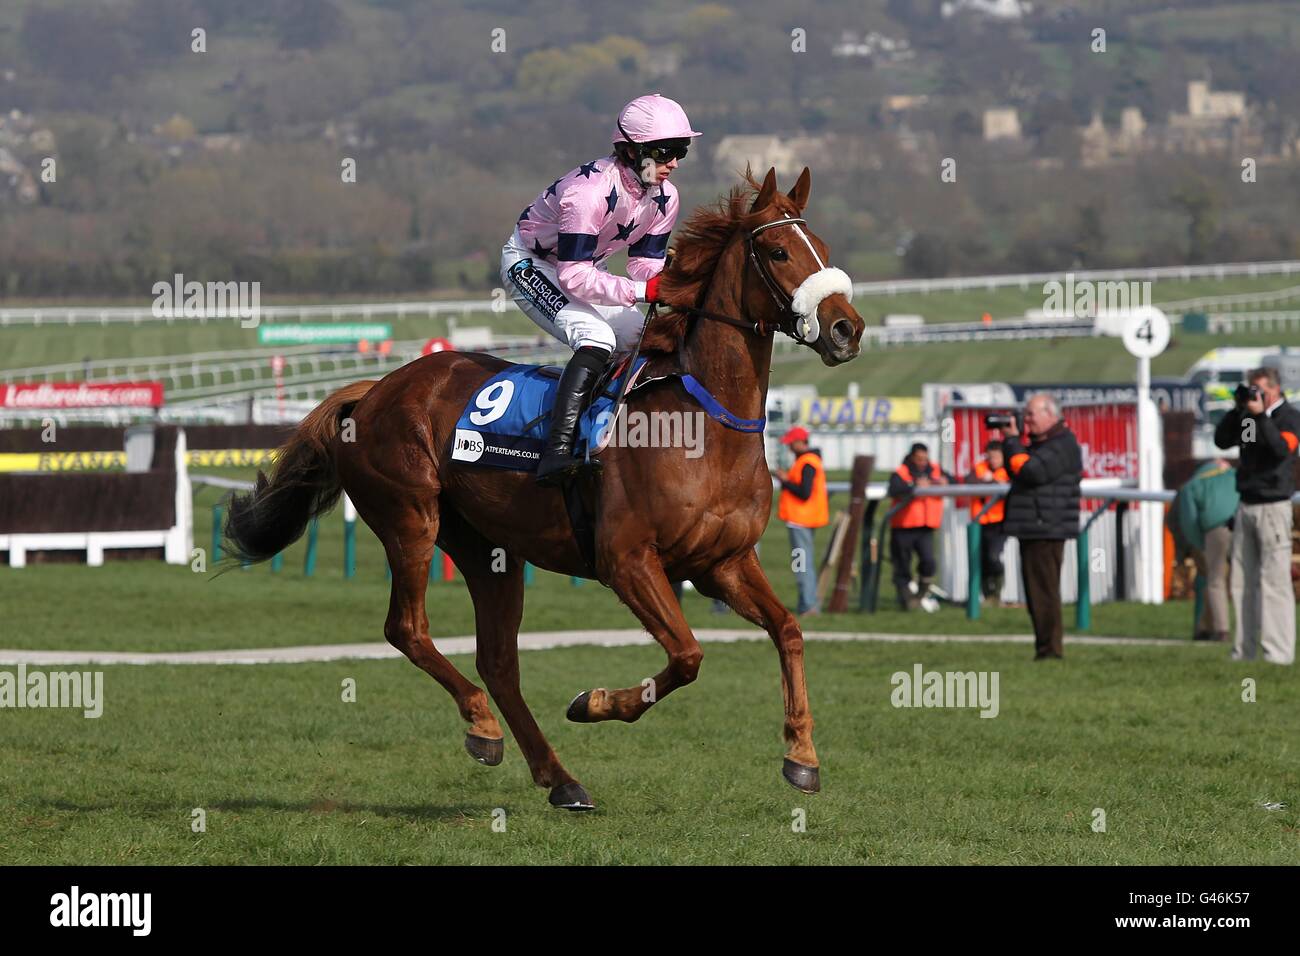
778,255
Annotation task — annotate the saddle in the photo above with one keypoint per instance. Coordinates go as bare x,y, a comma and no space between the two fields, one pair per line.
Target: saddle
505,422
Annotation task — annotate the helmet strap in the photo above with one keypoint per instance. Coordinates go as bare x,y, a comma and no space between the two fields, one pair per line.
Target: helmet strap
641,164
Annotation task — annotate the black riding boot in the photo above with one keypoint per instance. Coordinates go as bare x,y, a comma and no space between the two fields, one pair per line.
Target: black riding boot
575,386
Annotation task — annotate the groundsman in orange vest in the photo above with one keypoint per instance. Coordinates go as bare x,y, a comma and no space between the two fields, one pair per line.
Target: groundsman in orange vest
803,507
803,487
989,470
913,526
916,471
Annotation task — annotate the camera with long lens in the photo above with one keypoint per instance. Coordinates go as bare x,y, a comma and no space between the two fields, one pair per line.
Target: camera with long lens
1002,422
1246,393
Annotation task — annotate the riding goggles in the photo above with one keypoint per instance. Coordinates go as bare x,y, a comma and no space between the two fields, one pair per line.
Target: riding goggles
662,154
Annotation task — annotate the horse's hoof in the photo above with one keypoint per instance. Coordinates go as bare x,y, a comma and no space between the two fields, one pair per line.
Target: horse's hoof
484,749
571,796
803,779
577,711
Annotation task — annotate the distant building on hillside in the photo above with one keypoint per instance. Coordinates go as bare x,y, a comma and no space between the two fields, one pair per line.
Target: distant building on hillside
223,142
15,180
1202,102
1099,146
873,45
903,102
23,144
789,155
1001,123
994,9
1215,121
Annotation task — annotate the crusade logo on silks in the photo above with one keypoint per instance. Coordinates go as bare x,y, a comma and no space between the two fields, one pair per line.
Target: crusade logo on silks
537,288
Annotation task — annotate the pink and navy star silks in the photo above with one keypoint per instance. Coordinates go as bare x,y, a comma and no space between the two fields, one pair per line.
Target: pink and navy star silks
592,211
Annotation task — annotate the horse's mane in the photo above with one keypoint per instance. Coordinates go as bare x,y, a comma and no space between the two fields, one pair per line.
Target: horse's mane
698,247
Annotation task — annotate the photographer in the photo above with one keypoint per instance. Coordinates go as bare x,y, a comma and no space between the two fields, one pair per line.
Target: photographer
1265,427
1042,511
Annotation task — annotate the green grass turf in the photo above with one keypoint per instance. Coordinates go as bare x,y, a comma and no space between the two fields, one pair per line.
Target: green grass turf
286,772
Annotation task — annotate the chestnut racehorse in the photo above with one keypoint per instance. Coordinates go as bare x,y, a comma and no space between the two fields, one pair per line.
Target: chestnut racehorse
660,517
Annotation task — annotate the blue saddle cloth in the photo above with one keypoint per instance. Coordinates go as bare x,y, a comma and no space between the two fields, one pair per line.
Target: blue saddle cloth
506,421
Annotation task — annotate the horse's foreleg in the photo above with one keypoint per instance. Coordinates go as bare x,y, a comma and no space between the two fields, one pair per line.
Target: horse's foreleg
496,585
407,629
744,586
640,582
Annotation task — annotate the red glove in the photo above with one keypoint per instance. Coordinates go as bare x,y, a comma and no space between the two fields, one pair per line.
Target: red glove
652,289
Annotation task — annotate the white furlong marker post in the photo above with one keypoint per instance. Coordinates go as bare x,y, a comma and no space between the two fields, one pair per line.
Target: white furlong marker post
1146,335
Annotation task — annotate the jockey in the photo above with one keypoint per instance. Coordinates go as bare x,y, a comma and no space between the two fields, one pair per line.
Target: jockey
555,266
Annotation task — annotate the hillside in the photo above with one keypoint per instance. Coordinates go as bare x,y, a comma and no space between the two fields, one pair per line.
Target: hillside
226,162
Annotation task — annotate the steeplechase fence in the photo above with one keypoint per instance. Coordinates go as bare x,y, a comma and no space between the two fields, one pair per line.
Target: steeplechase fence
143,511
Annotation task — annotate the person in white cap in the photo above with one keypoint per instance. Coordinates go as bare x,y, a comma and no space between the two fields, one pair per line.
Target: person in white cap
555,264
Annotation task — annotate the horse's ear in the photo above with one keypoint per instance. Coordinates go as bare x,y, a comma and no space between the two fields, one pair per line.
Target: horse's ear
799,194
768,190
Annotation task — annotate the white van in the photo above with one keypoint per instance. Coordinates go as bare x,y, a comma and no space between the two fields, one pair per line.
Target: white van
1220,371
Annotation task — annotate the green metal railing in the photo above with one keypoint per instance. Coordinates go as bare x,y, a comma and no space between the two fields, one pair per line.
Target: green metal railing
1119,497
440,568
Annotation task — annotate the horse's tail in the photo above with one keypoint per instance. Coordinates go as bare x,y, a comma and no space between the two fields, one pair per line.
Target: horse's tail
303,485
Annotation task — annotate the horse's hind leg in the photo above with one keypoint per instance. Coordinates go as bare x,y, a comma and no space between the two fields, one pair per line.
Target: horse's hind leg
496,584
409,545
743,585
641,584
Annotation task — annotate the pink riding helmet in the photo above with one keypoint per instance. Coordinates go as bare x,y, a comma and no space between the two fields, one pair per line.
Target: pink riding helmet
652,117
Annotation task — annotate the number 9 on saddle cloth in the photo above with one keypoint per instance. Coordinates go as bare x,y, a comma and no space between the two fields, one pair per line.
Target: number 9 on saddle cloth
504,424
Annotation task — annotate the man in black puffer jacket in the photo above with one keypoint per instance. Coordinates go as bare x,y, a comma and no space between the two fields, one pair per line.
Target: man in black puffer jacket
1043,511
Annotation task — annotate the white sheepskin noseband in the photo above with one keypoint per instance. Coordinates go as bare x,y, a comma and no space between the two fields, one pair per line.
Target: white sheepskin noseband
825,281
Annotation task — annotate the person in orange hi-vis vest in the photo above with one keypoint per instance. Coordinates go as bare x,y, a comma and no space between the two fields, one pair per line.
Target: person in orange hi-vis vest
804,507
911,529
990,470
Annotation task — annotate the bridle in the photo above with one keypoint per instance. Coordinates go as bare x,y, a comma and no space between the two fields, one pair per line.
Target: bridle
778,294
801,327
798,318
